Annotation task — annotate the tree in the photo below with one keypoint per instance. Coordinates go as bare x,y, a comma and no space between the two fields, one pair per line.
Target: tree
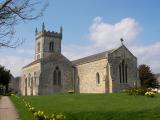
13,12
146,76
5,77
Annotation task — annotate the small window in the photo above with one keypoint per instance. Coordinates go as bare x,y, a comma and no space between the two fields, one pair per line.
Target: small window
97,78
57,76
38,47
51,46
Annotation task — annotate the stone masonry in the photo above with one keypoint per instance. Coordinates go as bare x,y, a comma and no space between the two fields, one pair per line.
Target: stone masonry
51,72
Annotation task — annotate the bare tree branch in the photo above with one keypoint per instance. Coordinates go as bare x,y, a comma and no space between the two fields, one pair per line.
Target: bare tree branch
13,12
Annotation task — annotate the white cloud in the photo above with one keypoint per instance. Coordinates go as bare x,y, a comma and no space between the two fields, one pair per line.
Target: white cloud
98,19
14,63
15,59
108,35
105,36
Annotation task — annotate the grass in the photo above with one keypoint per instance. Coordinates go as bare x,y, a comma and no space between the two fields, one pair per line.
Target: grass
94,106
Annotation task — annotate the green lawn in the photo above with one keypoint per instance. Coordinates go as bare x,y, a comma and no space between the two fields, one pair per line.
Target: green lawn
94,106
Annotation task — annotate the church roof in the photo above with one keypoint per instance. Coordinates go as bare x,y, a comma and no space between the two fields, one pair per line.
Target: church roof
92,58
32,63
59,57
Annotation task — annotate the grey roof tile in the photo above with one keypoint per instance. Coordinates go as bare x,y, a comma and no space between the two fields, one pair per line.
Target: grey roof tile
92,58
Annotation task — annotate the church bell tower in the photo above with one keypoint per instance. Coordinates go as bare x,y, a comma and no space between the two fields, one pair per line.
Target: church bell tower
47,42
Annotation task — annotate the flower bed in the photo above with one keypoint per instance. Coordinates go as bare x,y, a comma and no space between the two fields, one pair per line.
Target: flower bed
135,91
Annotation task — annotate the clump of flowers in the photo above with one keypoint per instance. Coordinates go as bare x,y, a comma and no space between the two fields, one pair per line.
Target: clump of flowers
150,94
57,117
32,109
29,107
40,115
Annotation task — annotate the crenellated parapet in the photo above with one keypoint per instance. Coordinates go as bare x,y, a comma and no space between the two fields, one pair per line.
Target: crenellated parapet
45,33
48,34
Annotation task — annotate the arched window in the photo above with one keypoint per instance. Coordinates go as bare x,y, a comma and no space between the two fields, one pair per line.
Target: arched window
38,47
120,73
51,46
123,71
97,78
57,76
123,75
126,74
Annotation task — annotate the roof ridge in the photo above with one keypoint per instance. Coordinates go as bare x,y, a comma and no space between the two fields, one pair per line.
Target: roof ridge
32,63
93,57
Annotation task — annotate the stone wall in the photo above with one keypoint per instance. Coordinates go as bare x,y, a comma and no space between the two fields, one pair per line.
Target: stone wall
115,59
46,80
44,41
38,78
30,80
85,79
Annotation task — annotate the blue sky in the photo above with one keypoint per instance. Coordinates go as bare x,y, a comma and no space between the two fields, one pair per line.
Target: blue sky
84,21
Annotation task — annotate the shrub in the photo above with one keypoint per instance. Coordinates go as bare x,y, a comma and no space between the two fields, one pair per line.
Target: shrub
135,91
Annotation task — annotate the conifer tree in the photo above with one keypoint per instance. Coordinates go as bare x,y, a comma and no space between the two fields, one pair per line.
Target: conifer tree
146,76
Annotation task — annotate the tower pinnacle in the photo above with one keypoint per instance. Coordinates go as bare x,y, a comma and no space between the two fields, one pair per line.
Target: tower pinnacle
61,29
36,31
43,27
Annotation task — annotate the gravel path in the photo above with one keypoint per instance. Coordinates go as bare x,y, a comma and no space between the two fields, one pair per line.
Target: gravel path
7,109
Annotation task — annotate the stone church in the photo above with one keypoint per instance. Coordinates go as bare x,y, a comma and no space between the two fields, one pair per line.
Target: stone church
51,72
